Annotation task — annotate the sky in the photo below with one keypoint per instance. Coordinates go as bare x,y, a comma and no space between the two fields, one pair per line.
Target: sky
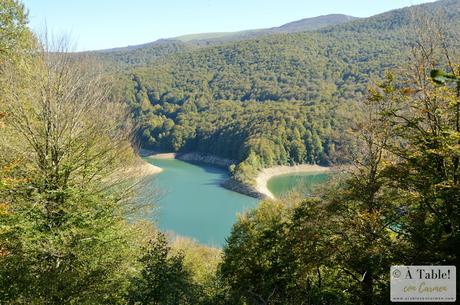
102,24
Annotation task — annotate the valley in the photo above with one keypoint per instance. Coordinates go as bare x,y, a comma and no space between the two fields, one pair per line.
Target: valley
285,164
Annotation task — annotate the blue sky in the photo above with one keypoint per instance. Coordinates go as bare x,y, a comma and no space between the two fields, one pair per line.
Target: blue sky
100,24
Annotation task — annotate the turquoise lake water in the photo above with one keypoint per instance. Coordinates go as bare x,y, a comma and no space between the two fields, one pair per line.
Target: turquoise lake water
192,203
303,183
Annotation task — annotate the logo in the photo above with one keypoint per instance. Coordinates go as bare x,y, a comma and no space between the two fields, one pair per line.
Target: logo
423,284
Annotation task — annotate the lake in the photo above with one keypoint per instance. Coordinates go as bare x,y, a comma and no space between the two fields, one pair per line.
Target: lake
192,203
302,183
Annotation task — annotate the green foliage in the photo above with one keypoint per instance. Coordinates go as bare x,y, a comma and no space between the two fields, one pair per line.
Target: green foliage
296,132
15,36
276,255
440,77
72,255
140,55
163,278
283,97
201,262
428,174
64,236
401,196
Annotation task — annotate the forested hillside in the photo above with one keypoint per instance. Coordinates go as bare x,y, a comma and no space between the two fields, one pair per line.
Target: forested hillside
303,25
149,52
124,58
278,99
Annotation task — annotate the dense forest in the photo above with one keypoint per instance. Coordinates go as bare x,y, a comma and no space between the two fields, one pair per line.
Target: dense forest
303,25
149,52
68,227
275,100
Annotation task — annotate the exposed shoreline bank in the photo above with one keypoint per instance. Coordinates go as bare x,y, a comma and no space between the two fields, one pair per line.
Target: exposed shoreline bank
189,157
259,190
266,174
141,169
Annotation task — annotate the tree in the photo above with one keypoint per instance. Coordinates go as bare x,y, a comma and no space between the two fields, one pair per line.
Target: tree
363,219
15,47
278,254
65,227
163,278
426,120
252,267
297,152
15,36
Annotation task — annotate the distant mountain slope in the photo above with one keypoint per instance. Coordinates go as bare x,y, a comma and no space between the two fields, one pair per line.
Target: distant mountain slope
149,52
299,66
141,54
303,25
203,37
311,24
265,100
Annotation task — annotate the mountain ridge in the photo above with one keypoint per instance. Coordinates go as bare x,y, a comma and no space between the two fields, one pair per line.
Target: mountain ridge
301,25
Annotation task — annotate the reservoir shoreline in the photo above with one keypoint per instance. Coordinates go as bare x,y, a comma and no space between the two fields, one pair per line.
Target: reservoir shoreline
259,190
267,173
141,169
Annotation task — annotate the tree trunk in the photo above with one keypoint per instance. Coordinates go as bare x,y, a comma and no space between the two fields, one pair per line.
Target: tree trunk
367,287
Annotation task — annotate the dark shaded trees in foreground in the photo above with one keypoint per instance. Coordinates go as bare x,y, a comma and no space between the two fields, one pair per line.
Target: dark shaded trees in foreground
397,204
